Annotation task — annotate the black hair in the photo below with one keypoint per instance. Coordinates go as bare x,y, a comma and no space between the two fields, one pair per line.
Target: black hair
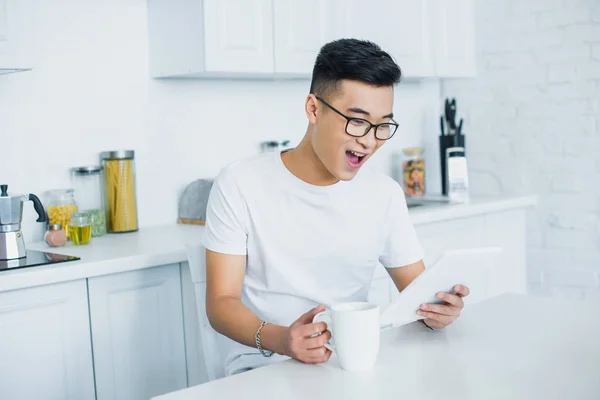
352,59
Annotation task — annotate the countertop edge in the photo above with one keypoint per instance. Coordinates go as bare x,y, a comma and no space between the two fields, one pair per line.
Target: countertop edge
454,211
146,243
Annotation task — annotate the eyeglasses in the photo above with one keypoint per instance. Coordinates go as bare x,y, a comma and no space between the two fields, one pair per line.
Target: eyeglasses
359,127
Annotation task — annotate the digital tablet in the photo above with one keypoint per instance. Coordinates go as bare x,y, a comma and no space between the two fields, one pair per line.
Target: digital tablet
468,267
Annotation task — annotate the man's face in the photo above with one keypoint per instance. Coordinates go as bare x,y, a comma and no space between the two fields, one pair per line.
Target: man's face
342,154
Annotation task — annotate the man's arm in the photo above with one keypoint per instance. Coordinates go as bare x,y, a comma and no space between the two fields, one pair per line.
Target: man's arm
403,276
230,317
436,315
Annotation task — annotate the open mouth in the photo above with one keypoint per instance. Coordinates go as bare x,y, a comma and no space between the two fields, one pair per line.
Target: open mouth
355,159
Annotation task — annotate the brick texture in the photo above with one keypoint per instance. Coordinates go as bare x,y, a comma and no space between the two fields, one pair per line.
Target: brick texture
533,126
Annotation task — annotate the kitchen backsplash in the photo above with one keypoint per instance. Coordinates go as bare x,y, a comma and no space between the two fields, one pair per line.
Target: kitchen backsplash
90,91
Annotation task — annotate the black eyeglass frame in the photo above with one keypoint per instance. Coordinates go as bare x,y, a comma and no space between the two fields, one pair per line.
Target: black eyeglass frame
370,125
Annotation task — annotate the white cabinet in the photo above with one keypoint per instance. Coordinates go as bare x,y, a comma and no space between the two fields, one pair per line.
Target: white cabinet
453,27
301,28
192,38
137,333
45,349
400,27
15,35
281,38
238,36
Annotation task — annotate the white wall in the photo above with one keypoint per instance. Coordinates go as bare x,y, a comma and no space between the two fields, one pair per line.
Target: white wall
533,125
90,91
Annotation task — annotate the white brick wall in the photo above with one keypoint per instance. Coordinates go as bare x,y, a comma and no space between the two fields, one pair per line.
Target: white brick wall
532,120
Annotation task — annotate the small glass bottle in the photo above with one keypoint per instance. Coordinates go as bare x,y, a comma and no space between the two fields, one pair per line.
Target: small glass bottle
80,229
60,205
55,236
413,170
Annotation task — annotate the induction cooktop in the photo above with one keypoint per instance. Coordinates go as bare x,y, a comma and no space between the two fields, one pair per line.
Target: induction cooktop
34,259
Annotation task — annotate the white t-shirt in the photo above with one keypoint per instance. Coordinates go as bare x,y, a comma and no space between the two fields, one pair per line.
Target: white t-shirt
306,245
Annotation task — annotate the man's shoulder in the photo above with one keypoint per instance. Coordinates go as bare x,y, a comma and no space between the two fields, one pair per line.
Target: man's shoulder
247,166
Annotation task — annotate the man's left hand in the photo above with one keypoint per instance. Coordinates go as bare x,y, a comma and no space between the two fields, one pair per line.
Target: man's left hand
438,316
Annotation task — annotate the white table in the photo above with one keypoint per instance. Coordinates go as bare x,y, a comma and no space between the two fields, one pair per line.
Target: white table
508,347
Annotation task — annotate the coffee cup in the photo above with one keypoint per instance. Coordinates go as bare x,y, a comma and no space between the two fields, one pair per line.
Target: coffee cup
355,333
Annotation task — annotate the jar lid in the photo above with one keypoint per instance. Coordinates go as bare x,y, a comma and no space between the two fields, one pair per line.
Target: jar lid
61,192
411,151
117,155
87,170
55,227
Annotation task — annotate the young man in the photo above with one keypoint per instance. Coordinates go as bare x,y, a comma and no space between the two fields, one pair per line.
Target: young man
290,233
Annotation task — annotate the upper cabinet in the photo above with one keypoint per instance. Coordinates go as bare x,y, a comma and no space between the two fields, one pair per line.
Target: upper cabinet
281,38
400,27
15,35
301,27
238,36
454,38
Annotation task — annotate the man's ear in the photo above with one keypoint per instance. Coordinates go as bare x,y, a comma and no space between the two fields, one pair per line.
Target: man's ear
311,109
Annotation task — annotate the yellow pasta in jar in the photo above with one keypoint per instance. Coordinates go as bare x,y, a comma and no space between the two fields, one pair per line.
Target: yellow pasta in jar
61,214
120,195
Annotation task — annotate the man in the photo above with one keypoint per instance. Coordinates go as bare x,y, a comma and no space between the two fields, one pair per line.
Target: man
290,233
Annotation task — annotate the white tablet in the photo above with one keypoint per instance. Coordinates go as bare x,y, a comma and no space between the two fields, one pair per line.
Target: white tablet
468,267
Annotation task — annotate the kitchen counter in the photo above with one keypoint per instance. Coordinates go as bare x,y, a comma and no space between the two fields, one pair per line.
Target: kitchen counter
507,347
155,246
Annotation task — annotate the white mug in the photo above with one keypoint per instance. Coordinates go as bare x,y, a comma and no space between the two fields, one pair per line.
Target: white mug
355,333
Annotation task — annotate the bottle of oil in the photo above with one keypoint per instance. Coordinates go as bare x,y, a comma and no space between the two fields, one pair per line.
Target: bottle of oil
80,228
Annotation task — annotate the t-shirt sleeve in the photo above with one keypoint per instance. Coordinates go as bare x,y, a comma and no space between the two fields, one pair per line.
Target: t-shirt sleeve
225,229
402,246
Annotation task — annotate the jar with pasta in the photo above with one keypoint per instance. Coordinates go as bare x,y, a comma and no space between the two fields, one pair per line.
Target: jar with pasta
413,169
60,205
119,187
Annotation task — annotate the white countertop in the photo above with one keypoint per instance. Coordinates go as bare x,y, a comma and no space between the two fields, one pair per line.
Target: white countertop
154,246
508,347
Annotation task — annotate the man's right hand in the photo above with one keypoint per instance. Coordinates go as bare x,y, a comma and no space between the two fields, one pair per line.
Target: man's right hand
300,343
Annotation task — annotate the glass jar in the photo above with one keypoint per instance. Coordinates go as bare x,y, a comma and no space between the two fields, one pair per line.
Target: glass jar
80,229
55,236
119,188
87,182
60,205
413,171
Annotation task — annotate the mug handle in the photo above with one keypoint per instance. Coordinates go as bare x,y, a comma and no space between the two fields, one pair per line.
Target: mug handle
325,316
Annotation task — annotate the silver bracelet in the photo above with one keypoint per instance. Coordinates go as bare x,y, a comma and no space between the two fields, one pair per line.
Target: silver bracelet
266,353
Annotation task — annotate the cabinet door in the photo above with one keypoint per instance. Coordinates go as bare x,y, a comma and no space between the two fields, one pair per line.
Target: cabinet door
400,27
507,230
15,34
302,27
238,36
453,27
45,349
137,333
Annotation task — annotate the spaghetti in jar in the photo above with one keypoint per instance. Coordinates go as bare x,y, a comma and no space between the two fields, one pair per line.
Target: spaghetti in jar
119,191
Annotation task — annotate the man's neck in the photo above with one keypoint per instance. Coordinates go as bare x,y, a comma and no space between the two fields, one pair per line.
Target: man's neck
305,165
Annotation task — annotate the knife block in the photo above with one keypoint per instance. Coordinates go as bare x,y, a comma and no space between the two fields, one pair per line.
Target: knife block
445,142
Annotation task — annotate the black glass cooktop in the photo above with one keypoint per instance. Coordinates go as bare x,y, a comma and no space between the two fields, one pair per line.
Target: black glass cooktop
34,259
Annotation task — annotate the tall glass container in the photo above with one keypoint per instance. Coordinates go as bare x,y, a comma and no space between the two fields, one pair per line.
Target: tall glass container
87,182
119,188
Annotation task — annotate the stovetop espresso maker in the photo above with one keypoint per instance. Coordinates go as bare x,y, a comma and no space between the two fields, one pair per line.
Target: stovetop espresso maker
12,245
